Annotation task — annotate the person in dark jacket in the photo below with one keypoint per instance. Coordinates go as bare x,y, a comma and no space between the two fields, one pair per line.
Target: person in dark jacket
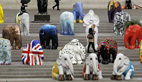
57,4
91,41
128,4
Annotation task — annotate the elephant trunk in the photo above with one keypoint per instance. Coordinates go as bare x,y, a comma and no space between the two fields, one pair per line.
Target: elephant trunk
70,66
95,66
115,66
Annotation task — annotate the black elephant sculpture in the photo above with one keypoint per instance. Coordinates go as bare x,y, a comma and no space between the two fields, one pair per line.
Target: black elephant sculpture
106,48
47,33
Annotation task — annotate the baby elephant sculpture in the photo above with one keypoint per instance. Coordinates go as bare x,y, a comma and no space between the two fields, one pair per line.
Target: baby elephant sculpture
47,33
90,19
106,48
67,23
78,12
122,66
91,68
12,32
5,52
33,54
76,51
133,33
119,19
63,68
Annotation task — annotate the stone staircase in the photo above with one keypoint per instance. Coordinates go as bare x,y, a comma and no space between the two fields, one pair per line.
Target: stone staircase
18,70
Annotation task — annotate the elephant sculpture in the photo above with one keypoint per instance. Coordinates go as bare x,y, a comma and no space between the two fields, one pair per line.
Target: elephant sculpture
91,68
67,23
33,54
12,32
42,6
89,19
113,7
76,51
63,68
78,12
5,52
1,15
133,33
47,33
122,67
119,19
24,23
106,48
140,52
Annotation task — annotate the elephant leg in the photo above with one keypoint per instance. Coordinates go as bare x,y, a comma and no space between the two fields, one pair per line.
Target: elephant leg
96,38
99,57
54,41
42,41
17,44
1,57
62,26
22,27
87,73
32,60
38,60
128,75
66,31
78,57
75,16
8,58
12,41
113,56
80,19
71,28
139,40
47,41
27,25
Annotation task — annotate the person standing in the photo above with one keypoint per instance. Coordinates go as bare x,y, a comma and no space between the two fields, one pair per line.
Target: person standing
91,37
128,4
57,4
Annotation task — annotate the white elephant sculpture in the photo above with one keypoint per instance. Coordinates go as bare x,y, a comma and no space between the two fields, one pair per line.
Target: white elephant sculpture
76,51
91,68
63,68
123,68
90,19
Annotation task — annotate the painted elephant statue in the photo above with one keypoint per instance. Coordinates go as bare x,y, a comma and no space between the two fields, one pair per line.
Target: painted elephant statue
89,19
78,12
42,6
91,68
12,32
122,67
5,52
140,52
63,68
106,48
133,33
1,15
113,7
24,23
47,33
67,23
76,51
119,19
33,54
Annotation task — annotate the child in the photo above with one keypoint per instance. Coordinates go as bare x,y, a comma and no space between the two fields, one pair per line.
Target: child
91,40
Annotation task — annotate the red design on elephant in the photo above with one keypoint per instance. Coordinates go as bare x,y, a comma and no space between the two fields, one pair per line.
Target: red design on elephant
133,33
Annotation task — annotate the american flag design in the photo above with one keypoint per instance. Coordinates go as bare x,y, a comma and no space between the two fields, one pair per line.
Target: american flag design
33,53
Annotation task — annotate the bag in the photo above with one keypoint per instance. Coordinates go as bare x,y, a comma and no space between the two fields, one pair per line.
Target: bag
90,36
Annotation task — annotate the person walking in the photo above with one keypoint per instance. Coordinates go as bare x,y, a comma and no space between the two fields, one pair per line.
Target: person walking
91,37
57,4
128,4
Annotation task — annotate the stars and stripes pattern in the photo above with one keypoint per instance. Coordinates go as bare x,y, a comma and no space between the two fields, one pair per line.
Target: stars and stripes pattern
33,52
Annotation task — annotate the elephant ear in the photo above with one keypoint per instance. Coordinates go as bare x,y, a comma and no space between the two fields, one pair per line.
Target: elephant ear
126,60
59,62
87,18
87,61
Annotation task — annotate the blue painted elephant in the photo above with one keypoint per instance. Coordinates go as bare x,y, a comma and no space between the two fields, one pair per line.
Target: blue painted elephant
5,52
67,23
47,33
78,12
